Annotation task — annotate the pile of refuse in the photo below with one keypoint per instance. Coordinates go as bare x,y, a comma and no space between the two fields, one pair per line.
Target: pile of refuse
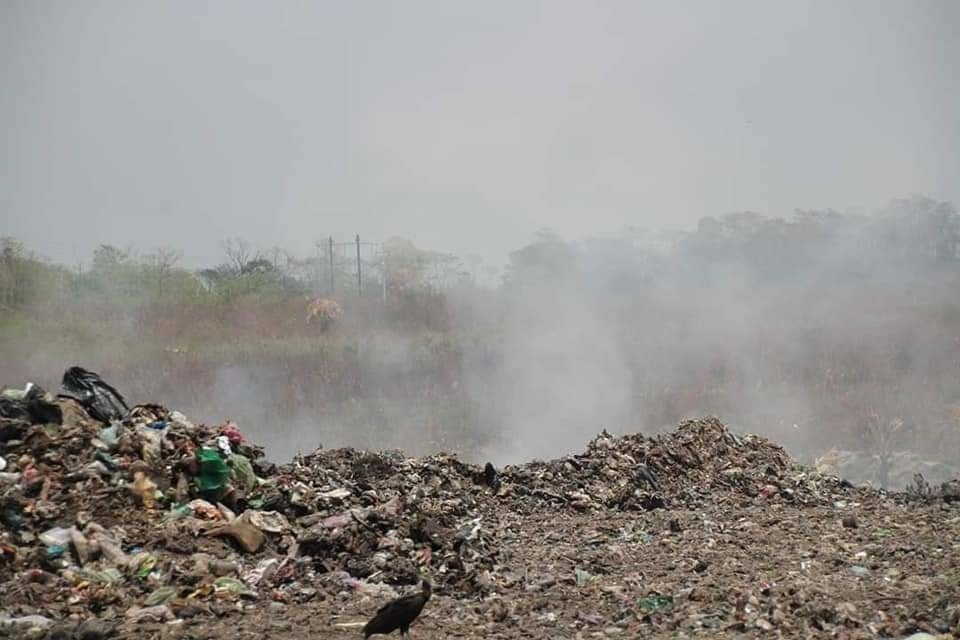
700,460
134,513
137,514
102,504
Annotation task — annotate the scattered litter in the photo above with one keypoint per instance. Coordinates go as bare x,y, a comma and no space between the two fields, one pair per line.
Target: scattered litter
161,595
653,603
157,613
23,623
582,577
247,536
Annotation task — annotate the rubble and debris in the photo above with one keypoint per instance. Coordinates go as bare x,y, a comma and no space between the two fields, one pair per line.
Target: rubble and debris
141,517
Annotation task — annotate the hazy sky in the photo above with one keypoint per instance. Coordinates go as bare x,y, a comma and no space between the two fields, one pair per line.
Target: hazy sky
464,126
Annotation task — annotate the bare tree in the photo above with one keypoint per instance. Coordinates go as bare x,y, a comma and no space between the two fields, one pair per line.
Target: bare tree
239,254
275,254
161,262
108,258
881,436
12,259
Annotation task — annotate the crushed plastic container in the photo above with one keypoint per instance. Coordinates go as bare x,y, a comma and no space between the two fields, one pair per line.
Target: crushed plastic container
213,473
56,537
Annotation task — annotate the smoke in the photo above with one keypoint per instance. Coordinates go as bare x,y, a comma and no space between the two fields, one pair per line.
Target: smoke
563,376
806,330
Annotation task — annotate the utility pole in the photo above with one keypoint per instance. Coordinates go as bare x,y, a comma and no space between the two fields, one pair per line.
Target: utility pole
359,277
383,274
330,262
318,274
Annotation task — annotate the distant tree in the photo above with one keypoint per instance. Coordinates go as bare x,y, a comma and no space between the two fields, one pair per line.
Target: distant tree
257,265
214,276
475,263
709,228
444,269
107,258
11,249
920,226
239,254
25,278
275,254
881,437
13,271
160,263
548,256
405,264
115,272
740,225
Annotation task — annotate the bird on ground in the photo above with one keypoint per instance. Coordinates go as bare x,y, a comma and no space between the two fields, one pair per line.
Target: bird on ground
399,613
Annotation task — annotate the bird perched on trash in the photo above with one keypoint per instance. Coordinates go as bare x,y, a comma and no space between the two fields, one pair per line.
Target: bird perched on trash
399,613
646,475
490,476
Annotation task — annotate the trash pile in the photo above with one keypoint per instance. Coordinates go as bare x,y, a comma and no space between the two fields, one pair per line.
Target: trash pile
701,460
135,514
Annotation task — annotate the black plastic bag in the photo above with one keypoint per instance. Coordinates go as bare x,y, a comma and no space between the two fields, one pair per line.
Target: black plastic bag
102,401
13,409
41,411
33,407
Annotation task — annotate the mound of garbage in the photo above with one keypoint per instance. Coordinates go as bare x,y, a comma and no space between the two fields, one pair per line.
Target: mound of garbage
134,514
700,460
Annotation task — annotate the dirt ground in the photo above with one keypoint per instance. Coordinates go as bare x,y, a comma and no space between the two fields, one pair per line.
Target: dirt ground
743,569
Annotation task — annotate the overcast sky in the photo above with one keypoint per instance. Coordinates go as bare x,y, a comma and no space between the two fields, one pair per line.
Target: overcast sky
465,126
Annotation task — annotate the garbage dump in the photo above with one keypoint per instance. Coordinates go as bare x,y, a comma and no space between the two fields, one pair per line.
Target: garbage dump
127,517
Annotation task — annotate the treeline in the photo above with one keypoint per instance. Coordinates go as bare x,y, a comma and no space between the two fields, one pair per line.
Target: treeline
127,278
907,234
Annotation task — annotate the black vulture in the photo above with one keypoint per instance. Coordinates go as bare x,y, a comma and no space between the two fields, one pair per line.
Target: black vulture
399,613
490,476
646,475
